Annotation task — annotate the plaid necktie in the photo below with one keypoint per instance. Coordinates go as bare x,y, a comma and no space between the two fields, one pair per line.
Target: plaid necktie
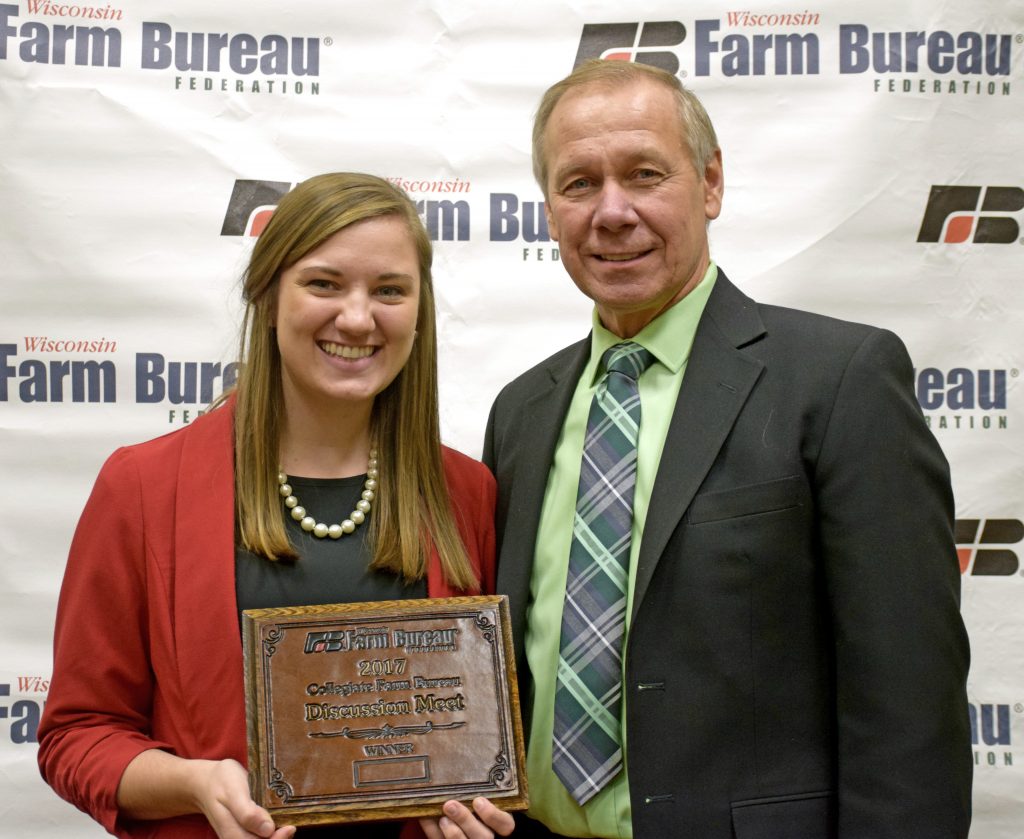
587,747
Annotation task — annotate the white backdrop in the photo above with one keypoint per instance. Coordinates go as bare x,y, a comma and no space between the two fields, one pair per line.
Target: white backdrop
138,140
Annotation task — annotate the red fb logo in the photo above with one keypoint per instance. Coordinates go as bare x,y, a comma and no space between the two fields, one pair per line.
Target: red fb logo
643,43
982,546
251,206
982,215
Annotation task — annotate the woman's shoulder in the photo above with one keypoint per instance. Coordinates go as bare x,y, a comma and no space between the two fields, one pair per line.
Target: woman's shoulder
457,462
209,430
466,473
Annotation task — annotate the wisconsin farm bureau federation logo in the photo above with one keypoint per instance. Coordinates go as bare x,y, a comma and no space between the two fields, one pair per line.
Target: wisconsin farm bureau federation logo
236,62
749,43
976,214
445,204
253,202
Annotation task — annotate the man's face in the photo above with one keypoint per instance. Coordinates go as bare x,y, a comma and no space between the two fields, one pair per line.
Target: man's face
624,202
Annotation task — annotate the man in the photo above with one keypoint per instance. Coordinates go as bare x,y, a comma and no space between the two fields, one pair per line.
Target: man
794,662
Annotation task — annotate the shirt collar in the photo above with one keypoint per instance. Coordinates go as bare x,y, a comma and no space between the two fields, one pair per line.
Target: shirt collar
668,337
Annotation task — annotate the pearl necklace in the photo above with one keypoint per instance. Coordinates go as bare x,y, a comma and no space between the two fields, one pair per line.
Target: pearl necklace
335,531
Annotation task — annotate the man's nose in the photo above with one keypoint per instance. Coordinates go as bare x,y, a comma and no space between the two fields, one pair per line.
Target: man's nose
614,207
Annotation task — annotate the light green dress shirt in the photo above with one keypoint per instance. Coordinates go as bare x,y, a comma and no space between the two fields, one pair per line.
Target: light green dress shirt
669,338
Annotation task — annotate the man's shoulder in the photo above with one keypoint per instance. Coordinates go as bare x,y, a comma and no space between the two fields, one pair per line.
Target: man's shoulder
785,319
781,320
798,339
825,340
824,352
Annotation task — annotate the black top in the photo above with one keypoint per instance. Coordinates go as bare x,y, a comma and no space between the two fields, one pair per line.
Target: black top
329,571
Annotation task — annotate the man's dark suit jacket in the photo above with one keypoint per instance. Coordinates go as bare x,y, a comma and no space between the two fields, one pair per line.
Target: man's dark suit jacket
796,662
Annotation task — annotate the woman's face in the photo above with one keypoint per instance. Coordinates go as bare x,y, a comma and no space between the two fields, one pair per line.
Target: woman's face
346,315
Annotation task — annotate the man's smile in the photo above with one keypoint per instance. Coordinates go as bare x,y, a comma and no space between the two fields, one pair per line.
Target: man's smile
620,257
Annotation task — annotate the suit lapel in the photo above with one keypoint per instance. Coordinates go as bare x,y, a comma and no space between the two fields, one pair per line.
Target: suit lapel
718,379
542,418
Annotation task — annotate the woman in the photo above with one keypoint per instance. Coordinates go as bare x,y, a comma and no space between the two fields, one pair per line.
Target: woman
144,725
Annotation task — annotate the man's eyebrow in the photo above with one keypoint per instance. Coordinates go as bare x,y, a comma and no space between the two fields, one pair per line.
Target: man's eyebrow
633,158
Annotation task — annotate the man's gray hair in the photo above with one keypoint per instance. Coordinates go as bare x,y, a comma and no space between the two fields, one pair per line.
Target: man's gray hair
696,128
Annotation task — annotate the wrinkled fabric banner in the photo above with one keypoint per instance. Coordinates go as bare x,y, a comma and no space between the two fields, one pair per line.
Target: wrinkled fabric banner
872,172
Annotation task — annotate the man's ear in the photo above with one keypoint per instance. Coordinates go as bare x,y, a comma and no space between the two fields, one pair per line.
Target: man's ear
552,226
714,186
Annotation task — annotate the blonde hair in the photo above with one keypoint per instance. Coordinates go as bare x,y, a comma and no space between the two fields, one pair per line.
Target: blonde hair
694,123
412,509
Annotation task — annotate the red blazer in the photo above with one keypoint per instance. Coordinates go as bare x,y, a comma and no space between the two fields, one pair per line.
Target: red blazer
147,652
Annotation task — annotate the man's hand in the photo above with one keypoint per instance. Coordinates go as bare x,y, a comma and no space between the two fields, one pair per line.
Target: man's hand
484,821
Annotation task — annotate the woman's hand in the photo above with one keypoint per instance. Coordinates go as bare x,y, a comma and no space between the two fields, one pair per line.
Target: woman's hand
159,785
484,821
222,795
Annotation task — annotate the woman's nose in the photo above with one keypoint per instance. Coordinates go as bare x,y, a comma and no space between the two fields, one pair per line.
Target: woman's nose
355,315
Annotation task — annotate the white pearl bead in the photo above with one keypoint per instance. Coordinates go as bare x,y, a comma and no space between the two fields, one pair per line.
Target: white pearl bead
335,531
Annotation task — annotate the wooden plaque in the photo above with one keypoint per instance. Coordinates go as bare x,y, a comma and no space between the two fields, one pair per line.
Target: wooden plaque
382,710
